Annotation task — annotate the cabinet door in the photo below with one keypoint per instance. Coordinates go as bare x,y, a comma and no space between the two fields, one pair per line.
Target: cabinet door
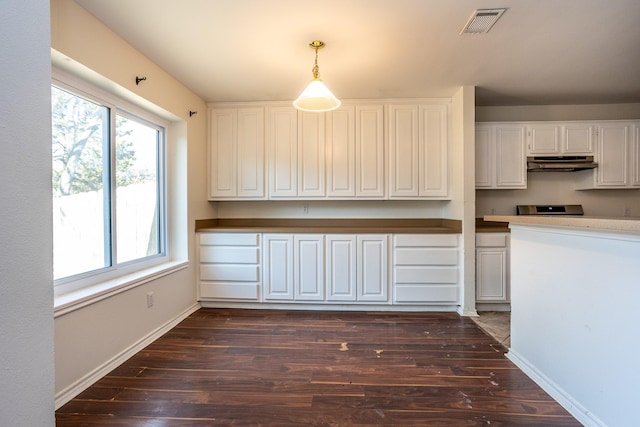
311,155
484,157
491,270
369,151
372,267
341,267
635,157
222,153
278,266
433,170
404,155
341,150
309,267
613,152
250,152
283,152
511,170
577,139
544,139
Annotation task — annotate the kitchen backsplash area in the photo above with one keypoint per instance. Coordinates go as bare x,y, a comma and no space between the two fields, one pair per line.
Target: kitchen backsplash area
558,188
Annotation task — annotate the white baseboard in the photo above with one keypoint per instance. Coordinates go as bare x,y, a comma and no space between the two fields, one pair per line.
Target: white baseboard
572,406
85,382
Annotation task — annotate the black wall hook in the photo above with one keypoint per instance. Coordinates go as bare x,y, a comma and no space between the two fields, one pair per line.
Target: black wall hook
192,113
139,79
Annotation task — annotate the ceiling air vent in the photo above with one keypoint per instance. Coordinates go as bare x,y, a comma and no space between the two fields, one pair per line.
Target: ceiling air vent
482,20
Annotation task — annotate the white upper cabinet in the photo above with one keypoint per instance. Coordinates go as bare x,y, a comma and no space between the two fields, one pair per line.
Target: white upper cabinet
617,157
403,143
577,139
283,152
500,156
236,150
311,155
560,139
362,150
355,152
417,144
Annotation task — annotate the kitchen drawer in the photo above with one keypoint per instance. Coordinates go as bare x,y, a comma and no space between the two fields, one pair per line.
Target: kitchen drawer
425,275
248,291
492,240
230,254
230,239
227,272
409,240
425,256
426,294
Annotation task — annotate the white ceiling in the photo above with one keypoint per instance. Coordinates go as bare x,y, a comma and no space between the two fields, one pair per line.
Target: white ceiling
539,52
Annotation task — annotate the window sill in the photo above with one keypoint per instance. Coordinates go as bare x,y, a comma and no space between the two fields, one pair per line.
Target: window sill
74,300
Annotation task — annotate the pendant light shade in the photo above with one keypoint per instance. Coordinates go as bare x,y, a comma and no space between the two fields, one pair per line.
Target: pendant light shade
316,97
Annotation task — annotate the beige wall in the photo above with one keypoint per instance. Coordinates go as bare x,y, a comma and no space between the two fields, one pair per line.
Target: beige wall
558,112
91,337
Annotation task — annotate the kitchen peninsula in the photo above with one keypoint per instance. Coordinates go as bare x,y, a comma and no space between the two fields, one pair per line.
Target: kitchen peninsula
575,289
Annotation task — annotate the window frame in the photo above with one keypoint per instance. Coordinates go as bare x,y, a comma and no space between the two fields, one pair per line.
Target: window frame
115,276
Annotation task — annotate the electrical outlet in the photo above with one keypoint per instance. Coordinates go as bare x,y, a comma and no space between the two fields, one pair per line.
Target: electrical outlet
305,208
626,211
150,300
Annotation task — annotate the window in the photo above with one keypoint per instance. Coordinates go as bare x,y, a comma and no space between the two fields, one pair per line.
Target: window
108,188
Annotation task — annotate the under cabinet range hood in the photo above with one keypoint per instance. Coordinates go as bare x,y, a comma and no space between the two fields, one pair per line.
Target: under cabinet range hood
560,163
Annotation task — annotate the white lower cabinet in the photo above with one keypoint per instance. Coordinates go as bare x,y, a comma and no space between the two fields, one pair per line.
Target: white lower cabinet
293,267
425,269
229,266
329,268
308,267
341,267
277,265
372,271
356,267
492,267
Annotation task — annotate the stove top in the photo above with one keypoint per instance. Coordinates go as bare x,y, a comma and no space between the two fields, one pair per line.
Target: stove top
549,210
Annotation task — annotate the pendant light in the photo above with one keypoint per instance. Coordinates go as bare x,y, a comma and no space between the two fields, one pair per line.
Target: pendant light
316,97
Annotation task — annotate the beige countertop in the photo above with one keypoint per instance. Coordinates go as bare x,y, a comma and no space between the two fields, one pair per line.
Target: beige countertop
349,225
619,224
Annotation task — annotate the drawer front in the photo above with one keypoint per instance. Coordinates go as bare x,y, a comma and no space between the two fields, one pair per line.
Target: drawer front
425,275
230,239
232,273
495,240
247,291
426,294
425,256
446,240
230,254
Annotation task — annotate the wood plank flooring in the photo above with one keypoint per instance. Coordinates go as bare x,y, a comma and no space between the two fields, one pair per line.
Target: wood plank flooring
314,368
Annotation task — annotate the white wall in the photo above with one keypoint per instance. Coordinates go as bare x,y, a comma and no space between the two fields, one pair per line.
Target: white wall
462,179
574,299
332,209
26,266
558,187
91,337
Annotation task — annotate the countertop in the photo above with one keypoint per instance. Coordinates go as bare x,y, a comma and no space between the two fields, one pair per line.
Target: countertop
483,226
349,225
619,224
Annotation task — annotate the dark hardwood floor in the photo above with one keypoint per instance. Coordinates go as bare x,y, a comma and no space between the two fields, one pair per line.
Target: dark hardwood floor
302,368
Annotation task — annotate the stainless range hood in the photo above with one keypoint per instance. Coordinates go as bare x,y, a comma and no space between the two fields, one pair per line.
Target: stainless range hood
560,163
